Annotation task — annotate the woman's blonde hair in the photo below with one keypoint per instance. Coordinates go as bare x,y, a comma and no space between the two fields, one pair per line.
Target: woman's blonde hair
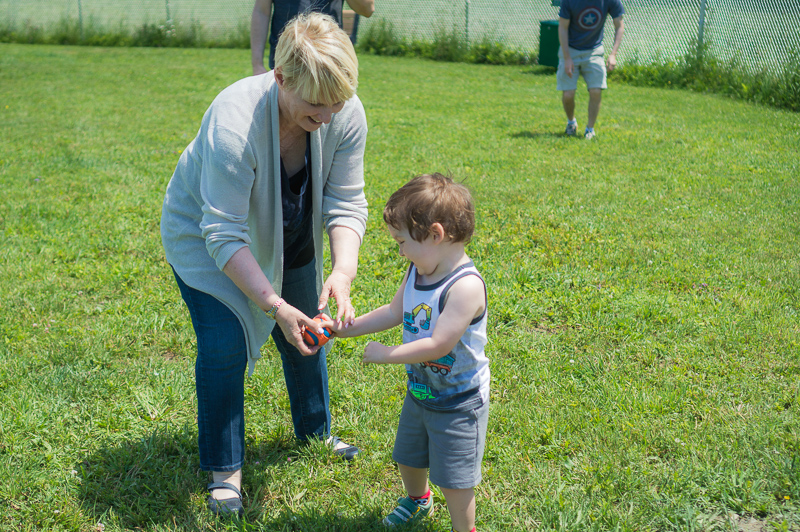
317,59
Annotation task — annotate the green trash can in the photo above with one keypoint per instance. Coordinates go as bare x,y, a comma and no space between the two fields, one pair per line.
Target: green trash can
548,43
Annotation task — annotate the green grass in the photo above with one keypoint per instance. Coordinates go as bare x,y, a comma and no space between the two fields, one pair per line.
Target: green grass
644,299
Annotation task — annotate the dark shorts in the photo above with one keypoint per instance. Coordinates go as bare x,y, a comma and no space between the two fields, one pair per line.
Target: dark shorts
450,444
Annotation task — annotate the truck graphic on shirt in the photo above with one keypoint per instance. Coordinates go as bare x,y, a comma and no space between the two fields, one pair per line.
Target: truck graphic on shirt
420,391
409,317
441,365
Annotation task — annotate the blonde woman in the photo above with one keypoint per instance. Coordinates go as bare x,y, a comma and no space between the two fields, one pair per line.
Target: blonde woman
277,160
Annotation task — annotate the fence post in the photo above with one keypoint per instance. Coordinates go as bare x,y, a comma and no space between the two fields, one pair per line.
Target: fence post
80,20
701,26
466,21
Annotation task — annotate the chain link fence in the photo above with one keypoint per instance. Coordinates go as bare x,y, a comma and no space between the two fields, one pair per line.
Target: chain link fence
761,33
216,17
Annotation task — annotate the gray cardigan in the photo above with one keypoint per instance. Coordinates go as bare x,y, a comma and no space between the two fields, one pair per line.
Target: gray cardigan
225,194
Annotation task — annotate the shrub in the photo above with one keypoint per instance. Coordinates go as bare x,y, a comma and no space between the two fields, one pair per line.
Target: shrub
380,38
448,45
701,71
493,52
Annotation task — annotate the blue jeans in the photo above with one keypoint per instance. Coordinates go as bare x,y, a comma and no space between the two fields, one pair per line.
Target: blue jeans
222,362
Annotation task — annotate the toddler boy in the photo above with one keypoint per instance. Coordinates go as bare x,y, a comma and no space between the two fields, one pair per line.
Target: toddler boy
442,306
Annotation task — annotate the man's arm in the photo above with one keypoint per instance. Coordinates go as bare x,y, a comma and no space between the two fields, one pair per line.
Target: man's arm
365,8
259,30
563,40
619,30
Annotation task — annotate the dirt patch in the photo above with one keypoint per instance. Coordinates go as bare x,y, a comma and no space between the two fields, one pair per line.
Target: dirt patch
748,524
170,356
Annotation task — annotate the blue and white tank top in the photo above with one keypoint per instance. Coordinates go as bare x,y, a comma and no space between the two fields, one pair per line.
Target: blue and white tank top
458,381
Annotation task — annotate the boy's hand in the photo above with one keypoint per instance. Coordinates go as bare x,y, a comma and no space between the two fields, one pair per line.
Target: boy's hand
375,353
317,337
337,327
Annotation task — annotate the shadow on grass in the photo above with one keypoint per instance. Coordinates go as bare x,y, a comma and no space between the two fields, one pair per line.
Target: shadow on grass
148,480
151,480
541,70
308,520
155,480
535,135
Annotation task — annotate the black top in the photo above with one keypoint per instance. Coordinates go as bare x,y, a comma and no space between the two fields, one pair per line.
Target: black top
298,239
285,10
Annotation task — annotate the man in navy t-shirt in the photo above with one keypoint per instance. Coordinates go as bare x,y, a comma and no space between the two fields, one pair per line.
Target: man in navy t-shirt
580,33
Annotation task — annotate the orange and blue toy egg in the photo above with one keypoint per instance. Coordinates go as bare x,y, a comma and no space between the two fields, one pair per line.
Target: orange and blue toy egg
313,338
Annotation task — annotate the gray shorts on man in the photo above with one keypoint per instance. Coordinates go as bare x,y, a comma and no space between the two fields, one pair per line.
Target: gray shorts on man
590,64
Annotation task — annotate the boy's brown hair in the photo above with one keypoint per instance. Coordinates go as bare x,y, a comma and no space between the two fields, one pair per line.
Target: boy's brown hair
428,199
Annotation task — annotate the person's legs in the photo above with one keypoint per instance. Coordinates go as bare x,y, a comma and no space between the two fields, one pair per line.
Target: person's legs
595,97
219,384
458,441
306,377
594,72
415,480
568,101
232,477
411,454
567,85
461,505
418,503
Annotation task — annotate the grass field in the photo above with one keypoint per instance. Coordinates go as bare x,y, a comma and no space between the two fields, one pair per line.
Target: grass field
644,304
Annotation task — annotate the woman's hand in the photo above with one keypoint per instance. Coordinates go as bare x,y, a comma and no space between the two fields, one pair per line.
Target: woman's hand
292,321
344,257
337,286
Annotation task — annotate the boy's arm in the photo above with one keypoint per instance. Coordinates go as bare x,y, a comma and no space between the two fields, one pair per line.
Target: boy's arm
377,320
465,301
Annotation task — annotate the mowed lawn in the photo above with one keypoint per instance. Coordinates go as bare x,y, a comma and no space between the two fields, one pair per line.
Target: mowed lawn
644,304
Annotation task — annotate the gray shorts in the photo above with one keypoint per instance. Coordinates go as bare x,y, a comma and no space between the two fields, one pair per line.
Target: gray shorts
450,444
588,63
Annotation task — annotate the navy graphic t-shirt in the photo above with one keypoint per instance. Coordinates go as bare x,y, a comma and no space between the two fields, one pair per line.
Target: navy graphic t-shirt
587,19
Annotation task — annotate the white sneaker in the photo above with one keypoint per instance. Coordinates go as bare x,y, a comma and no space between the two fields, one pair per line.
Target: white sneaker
589,134
572,129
